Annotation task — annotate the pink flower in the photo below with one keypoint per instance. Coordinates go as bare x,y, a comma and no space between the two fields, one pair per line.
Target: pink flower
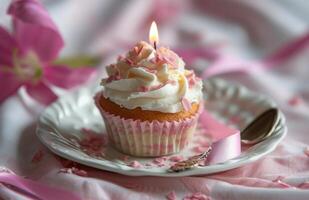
27,54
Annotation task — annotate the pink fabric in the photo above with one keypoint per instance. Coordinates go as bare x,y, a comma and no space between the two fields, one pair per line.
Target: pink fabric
105,28
33,189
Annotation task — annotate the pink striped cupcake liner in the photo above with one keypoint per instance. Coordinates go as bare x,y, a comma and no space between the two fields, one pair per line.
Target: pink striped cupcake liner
147,138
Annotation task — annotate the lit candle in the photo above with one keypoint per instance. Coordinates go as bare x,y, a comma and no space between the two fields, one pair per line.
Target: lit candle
153,35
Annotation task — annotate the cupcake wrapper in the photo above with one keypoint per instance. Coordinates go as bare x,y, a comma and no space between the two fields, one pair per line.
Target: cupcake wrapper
147,138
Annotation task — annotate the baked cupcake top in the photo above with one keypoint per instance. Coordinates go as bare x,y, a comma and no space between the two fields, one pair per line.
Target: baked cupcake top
154,80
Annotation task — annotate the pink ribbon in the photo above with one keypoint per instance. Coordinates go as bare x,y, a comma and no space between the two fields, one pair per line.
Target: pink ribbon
226,141
34,189
287,51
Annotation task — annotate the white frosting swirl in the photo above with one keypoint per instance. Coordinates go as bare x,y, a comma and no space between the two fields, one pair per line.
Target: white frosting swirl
152,80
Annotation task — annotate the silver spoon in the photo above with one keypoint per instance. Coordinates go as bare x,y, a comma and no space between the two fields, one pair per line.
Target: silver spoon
261,127
258,130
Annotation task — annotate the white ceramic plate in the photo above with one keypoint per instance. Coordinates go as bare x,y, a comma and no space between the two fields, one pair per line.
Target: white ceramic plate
60,126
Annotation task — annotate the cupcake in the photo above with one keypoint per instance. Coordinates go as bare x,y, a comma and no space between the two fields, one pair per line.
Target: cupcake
150,103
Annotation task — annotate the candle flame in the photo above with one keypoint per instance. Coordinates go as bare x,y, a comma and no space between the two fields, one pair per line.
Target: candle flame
153,34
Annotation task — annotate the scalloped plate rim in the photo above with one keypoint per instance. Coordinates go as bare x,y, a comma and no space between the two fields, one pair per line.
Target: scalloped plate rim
219,167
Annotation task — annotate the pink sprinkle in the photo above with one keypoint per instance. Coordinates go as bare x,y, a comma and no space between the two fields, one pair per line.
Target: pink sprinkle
113,78
190,74
306,151
129,61
186,104
135,164
164,158
138,51
135,49
296,100
158,161
143,89
74,170
171,196
176,158
196,196
120,57
192,82
159,58
38,156
93,143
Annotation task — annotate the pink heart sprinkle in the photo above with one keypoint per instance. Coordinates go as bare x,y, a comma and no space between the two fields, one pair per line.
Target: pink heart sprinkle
171,196
135,164
158,161
192,82
74,170
296,100
196,196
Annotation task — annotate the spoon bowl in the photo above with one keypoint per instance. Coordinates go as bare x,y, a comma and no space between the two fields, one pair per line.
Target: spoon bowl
261,127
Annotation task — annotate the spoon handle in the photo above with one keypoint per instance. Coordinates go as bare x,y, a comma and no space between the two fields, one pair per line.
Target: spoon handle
190,162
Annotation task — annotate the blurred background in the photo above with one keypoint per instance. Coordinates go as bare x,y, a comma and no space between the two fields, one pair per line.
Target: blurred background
250,29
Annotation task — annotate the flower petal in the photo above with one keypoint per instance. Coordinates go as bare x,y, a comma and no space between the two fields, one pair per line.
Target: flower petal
8,86
35,30
7,47
66,77
41,92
